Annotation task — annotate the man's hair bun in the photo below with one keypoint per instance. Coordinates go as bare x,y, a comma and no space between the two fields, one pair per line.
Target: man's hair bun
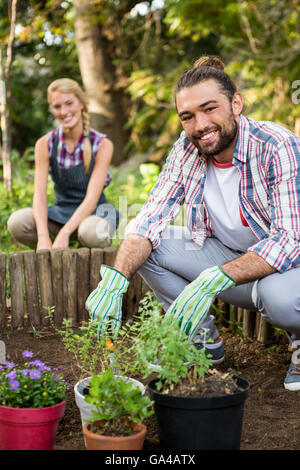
209,61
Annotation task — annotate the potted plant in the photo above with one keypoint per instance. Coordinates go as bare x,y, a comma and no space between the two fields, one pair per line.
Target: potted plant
93,356
197,407
120,409
32,401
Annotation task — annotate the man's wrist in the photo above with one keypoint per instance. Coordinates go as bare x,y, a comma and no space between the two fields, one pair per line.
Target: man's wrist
227,275
117,270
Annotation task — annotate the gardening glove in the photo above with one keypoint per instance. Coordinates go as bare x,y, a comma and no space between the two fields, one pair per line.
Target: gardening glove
194,302
104,304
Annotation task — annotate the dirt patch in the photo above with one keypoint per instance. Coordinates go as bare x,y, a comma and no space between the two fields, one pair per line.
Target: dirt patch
271,413
213,384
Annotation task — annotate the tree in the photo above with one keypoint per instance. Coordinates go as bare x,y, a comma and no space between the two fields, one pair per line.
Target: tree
108,103
5,99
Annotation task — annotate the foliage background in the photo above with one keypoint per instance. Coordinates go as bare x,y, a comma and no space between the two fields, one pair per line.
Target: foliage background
149,44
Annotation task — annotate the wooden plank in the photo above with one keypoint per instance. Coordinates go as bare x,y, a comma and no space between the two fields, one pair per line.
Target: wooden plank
264,335
3,310
31,286
134,296
83,282
97,257
240,312
45,283
69,258
233,314
223,308
257,324
16,289
57,285
109,256
248,323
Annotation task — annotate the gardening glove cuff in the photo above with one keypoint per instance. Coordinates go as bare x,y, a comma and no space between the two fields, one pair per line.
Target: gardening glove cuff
105,303
112,280
193,304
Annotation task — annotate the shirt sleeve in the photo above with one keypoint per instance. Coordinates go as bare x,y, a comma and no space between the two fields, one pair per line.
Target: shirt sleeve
282,248
164,202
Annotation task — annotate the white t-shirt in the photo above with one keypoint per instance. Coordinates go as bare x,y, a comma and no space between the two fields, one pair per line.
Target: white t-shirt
222,202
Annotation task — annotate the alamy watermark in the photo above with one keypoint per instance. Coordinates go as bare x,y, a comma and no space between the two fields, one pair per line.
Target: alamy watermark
296,94
187,217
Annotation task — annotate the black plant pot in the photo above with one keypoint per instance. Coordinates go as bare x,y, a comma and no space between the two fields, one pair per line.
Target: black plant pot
186,423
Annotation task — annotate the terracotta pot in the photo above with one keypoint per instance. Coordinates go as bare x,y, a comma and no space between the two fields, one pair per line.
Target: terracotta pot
99,442
29,428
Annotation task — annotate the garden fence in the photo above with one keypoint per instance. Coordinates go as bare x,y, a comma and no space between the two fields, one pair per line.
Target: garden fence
63,279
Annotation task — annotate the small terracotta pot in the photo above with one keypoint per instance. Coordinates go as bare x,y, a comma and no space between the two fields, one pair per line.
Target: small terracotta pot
99,442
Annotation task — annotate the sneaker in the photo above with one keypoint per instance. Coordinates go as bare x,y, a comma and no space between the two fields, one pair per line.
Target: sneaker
216,355
292,379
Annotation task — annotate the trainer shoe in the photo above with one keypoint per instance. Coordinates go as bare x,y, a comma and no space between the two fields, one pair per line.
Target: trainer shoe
292,379
215,354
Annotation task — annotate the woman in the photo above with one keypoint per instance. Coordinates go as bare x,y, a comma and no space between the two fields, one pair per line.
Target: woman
78,158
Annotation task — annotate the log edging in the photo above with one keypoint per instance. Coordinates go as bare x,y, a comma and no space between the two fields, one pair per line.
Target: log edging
64,278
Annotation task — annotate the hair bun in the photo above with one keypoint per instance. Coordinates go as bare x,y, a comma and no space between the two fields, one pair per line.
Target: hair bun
209,61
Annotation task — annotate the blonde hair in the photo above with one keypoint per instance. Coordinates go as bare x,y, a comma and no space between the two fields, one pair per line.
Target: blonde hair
67,85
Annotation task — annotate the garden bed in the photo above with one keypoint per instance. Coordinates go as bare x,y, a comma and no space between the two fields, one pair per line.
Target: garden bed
271,413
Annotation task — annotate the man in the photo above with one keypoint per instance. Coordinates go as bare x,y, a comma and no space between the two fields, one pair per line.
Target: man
240,182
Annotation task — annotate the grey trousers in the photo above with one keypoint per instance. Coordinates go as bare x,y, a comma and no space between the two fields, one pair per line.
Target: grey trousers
178,261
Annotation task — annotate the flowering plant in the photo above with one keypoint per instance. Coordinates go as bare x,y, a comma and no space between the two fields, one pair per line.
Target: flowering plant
31,385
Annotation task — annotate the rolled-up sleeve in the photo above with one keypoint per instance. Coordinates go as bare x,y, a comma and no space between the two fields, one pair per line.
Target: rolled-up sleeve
281,249
163,204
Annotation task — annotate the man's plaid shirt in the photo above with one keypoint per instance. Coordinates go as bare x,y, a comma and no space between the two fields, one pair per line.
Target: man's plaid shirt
267,156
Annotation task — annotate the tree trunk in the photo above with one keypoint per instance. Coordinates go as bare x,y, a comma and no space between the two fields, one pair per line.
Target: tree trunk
106,101
5,99
5,129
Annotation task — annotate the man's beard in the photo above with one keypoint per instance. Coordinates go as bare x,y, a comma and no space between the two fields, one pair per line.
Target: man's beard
226,137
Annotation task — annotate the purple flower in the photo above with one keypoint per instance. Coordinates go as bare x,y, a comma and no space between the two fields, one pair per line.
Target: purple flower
25,372
27,353
11,375
9,365
14,384
37,363
35,374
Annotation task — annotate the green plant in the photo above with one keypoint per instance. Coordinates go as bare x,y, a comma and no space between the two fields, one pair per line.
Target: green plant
31,385
118,403
91,354
84,345
160,346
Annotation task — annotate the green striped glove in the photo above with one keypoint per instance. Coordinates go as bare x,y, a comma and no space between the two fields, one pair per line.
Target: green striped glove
194,302
104,304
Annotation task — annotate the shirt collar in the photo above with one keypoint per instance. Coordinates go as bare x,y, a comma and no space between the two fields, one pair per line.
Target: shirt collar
61,139
241,148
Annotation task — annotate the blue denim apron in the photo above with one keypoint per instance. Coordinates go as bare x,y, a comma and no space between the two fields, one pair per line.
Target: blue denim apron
70,185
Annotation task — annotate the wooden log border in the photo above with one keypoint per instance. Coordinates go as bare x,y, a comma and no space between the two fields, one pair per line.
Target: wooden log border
61,280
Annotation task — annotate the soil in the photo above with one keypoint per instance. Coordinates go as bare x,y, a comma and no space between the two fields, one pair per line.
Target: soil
271,413
214,384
